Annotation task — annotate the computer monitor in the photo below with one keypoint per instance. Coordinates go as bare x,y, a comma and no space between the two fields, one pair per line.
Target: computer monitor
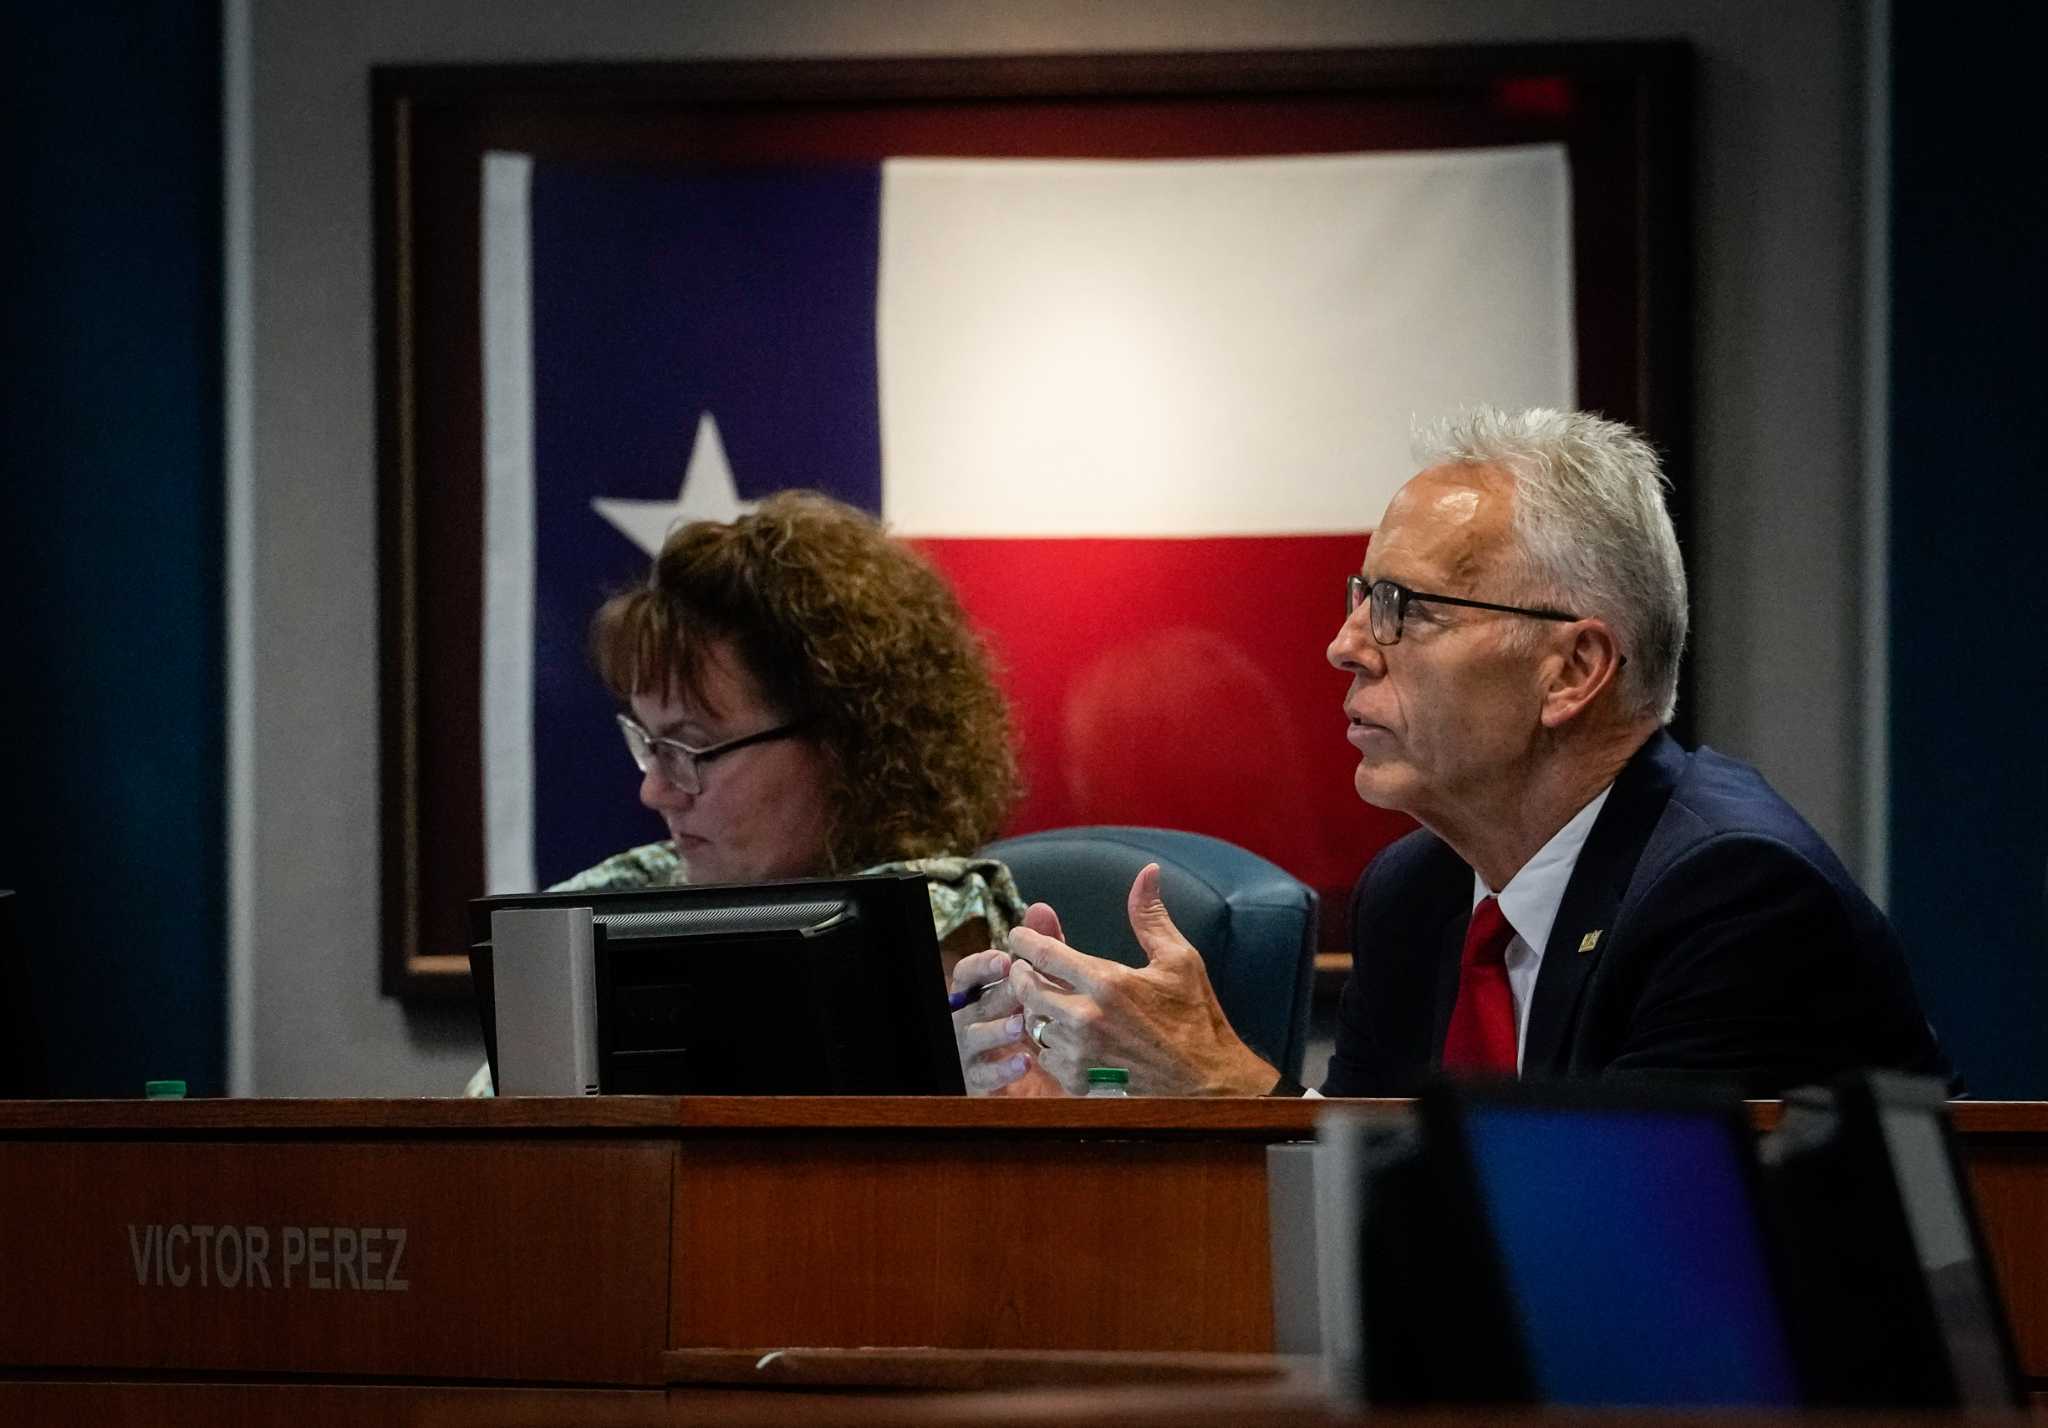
1411,1312
1895,1294
826,986
24,1073
1625,1249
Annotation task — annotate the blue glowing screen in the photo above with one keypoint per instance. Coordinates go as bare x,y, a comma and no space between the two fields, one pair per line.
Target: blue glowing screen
1634,1259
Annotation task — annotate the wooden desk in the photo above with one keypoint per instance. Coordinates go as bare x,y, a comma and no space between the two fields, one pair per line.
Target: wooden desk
574,1242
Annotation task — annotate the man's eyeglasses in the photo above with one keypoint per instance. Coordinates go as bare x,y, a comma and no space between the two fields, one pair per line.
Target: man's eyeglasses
680,764
1390,602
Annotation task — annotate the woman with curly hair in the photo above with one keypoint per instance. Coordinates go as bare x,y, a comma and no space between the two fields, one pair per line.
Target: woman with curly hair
804,698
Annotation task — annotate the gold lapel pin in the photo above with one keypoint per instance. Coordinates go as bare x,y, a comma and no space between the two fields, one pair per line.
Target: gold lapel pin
1589,941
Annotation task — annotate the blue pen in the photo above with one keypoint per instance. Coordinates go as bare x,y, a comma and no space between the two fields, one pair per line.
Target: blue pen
957,1000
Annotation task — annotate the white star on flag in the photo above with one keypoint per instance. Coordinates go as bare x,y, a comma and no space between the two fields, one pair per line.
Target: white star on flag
707,494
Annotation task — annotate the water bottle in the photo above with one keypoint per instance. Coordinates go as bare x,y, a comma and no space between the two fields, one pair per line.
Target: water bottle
1108,1081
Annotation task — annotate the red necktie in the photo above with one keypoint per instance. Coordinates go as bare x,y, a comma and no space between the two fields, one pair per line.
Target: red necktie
1482,1031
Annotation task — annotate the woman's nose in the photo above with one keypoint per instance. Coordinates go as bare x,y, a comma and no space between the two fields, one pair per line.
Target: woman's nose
658,793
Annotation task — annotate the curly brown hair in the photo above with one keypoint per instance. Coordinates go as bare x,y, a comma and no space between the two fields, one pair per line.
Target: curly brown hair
851,632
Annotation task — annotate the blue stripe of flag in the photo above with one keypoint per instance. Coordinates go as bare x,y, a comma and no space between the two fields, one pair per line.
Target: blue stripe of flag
749,294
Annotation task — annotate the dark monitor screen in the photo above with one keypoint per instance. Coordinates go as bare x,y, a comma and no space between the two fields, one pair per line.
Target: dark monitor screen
1632,1251
808,987
1896,1295
1967,1312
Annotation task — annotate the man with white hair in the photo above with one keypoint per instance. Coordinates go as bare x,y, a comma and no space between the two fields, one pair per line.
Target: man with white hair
1585,897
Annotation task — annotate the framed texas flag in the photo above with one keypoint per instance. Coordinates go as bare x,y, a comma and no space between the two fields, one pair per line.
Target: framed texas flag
1130,348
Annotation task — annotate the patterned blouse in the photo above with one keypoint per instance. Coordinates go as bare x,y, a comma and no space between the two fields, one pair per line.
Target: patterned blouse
962,891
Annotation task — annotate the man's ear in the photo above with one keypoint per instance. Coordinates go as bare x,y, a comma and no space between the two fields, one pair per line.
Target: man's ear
1577,672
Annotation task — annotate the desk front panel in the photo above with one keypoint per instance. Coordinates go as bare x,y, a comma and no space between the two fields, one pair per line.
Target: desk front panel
992,1241
2010,1178
503,1259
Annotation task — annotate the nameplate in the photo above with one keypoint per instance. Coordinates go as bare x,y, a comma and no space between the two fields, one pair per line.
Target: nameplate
358,1257
539,1260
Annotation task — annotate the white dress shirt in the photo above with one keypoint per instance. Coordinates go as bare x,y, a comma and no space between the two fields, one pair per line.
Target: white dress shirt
1529,903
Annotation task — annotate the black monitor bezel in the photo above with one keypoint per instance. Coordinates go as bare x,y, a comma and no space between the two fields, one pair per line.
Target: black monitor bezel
24,1059
909,986
1860,1101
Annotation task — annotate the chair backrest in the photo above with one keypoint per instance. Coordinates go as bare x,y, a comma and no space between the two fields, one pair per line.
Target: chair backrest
1254,923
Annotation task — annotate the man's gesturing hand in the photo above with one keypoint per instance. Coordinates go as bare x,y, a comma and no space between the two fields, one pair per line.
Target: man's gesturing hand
1160,1022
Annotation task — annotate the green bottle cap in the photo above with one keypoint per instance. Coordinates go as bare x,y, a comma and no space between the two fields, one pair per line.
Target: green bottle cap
164,1090
1108,1076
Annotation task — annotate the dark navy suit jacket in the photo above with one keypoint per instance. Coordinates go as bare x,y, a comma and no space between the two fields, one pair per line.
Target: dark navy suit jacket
1731,945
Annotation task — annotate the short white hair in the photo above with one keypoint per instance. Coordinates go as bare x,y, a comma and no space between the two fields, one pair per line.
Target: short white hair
1591,528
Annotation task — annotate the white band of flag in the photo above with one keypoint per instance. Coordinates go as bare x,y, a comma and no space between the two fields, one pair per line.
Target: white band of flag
508,525
1214,347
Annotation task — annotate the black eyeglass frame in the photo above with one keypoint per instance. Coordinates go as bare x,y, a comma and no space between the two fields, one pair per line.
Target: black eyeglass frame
1357,592
660,748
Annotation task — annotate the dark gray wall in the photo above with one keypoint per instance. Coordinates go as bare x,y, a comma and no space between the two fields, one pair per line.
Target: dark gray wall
110,749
